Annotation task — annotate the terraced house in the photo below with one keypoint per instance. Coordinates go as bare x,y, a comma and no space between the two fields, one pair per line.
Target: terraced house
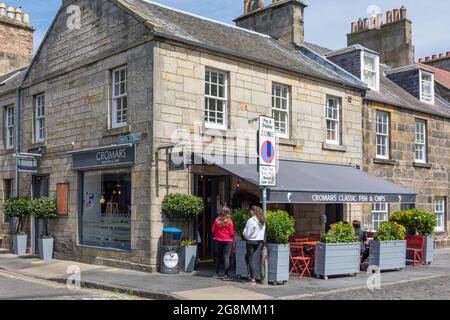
111,100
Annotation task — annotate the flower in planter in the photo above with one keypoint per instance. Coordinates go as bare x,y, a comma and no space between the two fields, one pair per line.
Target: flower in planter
18,208
390,231
280,227
341,233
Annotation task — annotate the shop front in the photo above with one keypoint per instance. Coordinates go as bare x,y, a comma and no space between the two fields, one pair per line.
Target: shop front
105,196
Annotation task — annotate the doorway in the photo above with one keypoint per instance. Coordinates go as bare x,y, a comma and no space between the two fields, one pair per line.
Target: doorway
41,186
334,213
215,191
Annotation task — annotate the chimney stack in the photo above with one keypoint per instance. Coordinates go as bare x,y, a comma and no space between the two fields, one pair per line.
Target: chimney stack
392,39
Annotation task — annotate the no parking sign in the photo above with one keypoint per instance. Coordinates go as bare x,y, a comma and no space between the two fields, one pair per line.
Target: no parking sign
267,152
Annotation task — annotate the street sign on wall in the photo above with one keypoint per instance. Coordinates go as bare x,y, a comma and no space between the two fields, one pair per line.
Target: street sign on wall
267,152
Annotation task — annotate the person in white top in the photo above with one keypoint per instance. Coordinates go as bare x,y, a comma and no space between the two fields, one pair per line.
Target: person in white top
254,233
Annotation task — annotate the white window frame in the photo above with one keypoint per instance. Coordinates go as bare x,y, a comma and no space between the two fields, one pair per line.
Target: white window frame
384,135
209,97
331,119
9,127
278,108
422,97
380,210
440,204
421,141
39,118
376,71
119,96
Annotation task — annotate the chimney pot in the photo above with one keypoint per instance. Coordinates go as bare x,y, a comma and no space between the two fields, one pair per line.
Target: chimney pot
354,27
26,18
434,56
396,15
427,59
366,24
18,13
420,60
2,8
403,13
389,16
360,25
441,55
379,20
10,12
448,54
373,22
246,3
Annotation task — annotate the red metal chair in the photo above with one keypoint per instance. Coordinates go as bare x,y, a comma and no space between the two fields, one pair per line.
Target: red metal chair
415,245
314,237
301,239
300,262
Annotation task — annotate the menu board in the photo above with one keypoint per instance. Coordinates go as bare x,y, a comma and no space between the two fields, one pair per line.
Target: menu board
62,197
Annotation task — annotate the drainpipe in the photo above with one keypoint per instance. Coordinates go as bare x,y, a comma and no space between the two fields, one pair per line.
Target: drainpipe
17,120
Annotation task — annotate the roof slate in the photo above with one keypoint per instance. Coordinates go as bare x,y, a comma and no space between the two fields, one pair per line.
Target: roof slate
11,81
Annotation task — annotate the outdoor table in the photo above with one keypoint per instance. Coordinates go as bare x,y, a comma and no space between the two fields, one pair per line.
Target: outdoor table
311,250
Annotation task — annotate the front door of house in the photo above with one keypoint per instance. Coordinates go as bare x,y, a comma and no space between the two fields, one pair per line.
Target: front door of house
334,213
40,185
215,192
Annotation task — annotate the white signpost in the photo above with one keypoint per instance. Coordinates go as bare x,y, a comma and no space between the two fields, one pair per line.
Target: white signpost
267,168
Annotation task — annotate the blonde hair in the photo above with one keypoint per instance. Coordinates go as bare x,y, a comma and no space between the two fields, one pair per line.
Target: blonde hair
224,218
259,214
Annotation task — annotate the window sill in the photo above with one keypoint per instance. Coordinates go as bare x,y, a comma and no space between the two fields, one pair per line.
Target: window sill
38,145
8,151
385,161
422,165
116,131
287,142
334,147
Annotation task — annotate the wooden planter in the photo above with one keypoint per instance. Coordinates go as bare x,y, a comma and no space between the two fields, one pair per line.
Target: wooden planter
388,255
333,259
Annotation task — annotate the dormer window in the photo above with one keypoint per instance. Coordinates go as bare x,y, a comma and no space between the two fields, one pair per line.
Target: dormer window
370,70
426,87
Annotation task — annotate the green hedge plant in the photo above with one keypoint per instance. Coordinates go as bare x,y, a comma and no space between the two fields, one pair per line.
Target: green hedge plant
182,206
240,218
415,221
390,231
188,243
341,233
280,227
44,209
18,208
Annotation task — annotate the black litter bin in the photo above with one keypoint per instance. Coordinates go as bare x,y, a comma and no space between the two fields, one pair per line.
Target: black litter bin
170,251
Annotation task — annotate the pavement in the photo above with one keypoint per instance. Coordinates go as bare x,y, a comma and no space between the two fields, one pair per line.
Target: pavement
200,286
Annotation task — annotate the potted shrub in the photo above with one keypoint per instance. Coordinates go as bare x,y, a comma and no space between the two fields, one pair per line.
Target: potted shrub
418,223
388,250
189,255
184,207
44,209
339,252
280,227
19,209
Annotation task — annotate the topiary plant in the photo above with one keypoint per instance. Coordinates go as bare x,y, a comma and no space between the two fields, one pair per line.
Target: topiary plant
44,209
280,227
182,206
341,233
240,218
390,231
18,208
415,221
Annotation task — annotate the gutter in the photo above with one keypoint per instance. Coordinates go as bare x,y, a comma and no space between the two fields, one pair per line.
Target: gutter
248,57
17,123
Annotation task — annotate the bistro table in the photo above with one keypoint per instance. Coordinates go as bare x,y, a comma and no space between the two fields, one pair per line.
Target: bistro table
311,250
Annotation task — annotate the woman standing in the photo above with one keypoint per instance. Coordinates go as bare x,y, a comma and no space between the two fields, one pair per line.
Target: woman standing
254,233
223,230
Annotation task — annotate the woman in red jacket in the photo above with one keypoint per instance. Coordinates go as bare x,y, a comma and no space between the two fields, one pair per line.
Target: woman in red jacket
223,230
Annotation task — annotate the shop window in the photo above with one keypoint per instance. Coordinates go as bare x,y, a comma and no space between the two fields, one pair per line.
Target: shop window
379,214
106,209
8,194
39,118
280,109
120,98
421,141
216,99
382,127
333,120
9,127
439,211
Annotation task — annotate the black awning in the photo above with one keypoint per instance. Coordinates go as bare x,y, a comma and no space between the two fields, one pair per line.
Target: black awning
305,182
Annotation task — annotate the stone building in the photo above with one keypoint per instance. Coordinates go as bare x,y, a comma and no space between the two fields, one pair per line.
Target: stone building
405,121
111,101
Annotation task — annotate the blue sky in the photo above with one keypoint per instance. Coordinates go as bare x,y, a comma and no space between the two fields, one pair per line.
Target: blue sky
327,21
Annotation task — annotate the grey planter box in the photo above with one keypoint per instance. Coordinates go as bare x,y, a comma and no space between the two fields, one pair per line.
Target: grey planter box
428,251
278,263
45,247
388,255
19,245
189,258
241,264
333,259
